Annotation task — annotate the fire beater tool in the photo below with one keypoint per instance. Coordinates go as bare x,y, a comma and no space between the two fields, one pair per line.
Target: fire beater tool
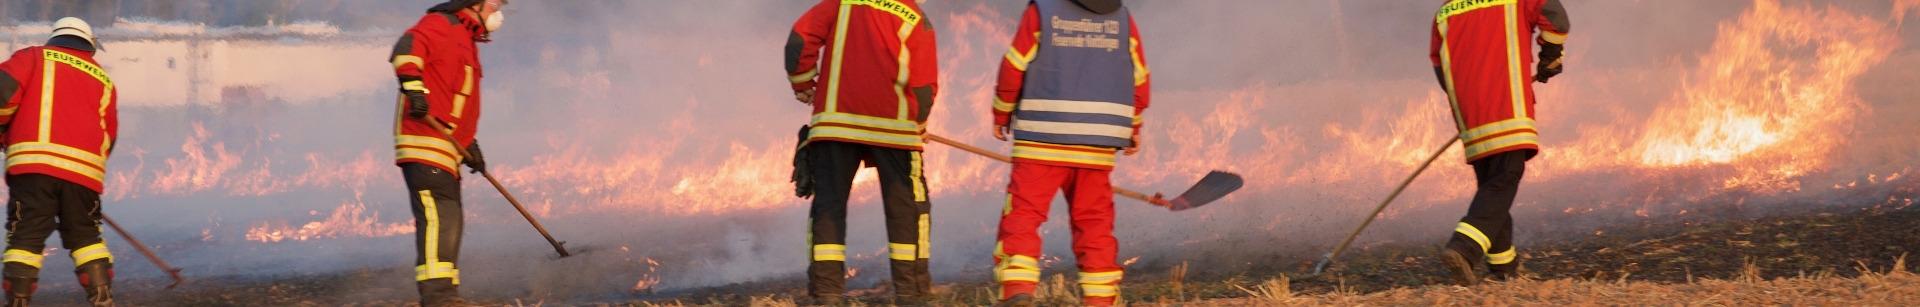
1215,185
1328,259
442,128
142,247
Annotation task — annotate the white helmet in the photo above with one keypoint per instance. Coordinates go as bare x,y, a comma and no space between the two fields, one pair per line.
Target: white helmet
76,27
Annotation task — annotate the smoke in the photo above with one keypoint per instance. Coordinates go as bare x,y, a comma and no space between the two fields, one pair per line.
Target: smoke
655,136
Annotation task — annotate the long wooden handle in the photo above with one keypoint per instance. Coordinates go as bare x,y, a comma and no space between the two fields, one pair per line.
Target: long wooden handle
442,128
1396,194
1156,200
144,251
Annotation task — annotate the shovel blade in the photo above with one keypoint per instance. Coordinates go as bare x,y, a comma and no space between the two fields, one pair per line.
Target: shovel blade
1213,187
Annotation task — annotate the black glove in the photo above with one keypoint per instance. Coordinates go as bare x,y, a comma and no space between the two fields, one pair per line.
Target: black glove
802,173
1549,62
416,104
474,159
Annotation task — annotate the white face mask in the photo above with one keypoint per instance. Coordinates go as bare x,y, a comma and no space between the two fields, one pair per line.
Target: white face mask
495,20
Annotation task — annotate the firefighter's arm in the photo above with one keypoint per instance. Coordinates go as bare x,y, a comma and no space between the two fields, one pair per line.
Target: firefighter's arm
924,77
803,48
1013,68
1142,85
409,65
1553,25
112,119
10,73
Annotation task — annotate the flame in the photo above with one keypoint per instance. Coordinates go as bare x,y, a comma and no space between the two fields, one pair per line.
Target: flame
1758,101
351,219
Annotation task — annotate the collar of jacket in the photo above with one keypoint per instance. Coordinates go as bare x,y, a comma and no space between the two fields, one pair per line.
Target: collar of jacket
71,42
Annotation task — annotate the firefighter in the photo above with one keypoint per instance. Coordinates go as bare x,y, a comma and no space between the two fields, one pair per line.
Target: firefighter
59,122
1070,93
868,68
438,65
1479,54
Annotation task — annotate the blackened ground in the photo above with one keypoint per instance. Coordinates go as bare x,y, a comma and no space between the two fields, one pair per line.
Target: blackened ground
1832,242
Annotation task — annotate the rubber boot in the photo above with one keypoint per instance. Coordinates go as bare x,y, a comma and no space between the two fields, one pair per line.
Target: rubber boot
1018,300
441,292
1455,257
97,278
19,290
1504,272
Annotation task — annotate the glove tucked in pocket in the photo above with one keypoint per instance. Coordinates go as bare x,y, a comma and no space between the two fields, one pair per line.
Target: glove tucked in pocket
802,173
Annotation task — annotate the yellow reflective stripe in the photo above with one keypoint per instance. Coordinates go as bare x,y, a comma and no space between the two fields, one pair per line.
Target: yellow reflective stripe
839,53
431,250
436,270
1502,257
1553,38
1075,106
1495,128
428,155
1073,128
8,111
865,135
1502,142
896,8
926,242
1025,150
1516,81
1099,290
77,63
425,141
89,157
466,89
23,257
1008,208
1463,6
415,85
1020,59
829,252
403,60
918,178
1021,261
56,162
90,253
1139,64
1002,105
804,77
866,121
1475,234
905,68
1100,277
46,99
902,252
1013,274
1446,71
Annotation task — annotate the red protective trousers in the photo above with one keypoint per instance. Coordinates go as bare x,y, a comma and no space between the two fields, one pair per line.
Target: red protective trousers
1090,201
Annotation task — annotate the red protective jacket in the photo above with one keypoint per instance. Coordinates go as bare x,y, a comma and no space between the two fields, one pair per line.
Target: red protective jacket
1013,72
440,56
873,70
1484,52
60,115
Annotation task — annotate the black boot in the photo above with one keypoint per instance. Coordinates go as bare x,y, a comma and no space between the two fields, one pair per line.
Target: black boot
441,292
97,278
1456,257
1504,272
19,290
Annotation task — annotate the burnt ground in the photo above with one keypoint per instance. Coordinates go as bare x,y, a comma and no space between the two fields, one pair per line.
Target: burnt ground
1831,242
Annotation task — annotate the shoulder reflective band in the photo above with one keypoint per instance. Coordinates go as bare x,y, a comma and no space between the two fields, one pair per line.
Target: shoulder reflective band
894,7
1458,7
77,63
